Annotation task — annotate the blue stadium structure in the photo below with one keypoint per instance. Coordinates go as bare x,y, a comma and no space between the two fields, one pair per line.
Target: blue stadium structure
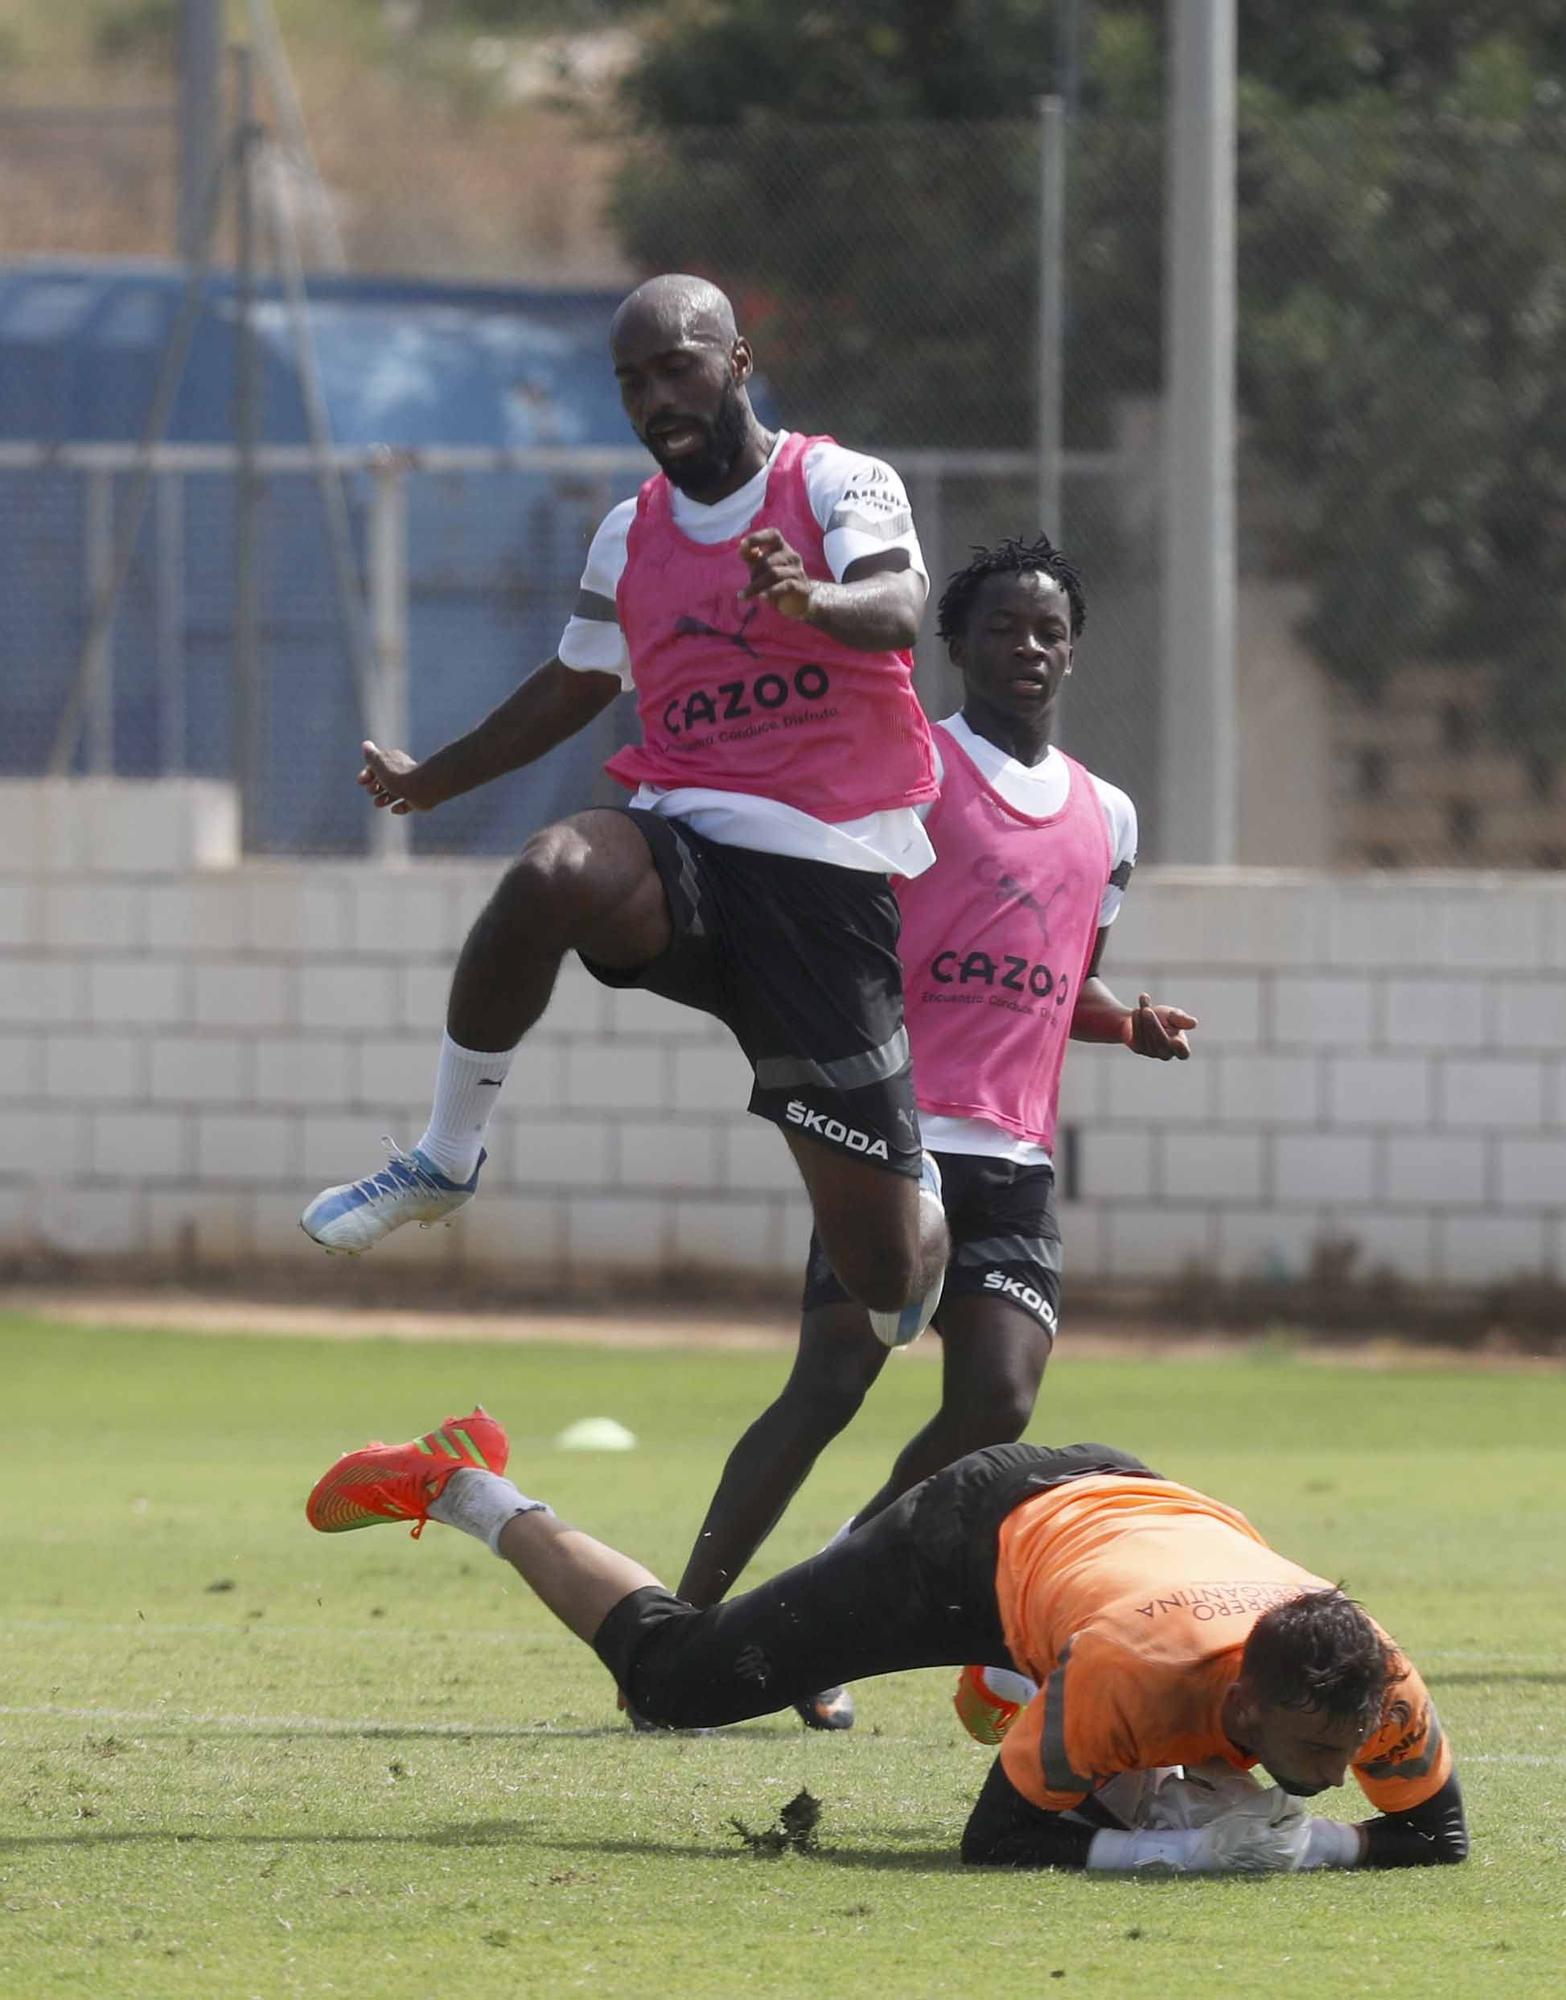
493,555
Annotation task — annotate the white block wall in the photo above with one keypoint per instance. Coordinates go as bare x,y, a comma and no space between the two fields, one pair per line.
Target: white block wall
189,1050
1382,1059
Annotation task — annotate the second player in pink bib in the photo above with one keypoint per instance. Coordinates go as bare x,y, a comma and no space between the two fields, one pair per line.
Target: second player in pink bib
996,944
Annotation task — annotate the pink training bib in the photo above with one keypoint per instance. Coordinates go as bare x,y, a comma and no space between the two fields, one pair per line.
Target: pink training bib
997,938
735,696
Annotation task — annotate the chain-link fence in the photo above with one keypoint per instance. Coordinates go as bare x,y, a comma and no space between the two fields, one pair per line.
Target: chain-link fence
1401,304
469,563
1402,491
891,277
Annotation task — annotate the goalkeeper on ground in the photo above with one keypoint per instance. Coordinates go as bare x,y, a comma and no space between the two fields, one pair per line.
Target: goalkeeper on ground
1156,1625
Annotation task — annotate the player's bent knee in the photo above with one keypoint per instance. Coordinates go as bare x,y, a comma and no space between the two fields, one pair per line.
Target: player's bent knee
668,1709
532,889
883,1271
554,861
977,1851
670,1696
884,1277
828,1404
564,879
652,1643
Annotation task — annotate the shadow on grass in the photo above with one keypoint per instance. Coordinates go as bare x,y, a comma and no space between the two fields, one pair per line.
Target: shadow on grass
477,1833
447,1732
905,1860
391,1732
481,1833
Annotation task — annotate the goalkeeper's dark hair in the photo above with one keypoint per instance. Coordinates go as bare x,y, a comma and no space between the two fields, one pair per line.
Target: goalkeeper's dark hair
1319,1651
1008,558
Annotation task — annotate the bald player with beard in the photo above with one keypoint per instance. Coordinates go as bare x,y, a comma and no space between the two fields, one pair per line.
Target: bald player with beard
760,596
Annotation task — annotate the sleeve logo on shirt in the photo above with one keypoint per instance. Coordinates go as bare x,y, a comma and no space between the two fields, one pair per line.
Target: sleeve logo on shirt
875,486
877,499
1415,1729
1414,1755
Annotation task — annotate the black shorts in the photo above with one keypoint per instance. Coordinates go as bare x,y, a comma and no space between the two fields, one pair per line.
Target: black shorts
914,1587
1005,1239
799,960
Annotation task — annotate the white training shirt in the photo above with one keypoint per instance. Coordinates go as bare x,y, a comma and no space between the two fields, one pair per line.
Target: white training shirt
862,509
1039,790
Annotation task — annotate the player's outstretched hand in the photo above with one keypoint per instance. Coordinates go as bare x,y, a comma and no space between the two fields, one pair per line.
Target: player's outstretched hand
392,778
1159,1032
1195,1795
777,574
1265,1835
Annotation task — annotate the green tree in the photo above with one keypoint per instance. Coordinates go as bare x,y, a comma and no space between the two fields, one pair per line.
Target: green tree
1415,52
865,177
1404,315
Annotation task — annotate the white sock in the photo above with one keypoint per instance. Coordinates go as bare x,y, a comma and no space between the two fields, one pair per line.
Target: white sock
481,1503
467,1087
1007,1686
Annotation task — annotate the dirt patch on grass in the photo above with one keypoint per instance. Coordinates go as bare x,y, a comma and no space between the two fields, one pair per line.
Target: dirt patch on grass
221,1313
752,1329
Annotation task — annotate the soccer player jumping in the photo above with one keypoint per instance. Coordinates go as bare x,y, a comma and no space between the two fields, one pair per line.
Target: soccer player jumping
1160,1628
760,594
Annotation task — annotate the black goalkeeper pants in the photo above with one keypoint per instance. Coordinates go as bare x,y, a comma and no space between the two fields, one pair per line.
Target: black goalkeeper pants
915,1587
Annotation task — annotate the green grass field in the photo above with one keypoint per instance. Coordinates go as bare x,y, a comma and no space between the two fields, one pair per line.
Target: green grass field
239,1759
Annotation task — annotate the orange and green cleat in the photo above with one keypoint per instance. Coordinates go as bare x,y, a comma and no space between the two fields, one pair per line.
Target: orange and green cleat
397,1482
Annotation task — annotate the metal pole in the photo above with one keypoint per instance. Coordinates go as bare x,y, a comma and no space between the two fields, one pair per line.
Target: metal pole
1068,53
929,512
200,119
329,480
389,626
1052,310
169,515
170,373
1198,732
248,707
99,537
268,41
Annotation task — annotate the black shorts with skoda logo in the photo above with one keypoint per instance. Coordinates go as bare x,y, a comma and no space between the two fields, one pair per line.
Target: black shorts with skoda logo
1005,1239
799,959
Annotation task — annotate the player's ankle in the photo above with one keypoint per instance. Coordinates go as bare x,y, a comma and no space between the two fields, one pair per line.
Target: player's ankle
482,1504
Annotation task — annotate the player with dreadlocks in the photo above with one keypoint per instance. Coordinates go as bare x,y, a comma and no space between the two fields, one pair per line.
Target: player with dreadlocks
1001,943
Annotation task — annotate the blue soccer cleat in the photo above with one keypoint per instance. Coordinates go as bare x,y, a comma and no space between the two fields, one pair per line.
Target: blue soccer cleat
833,1708
897,1329
354,1217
